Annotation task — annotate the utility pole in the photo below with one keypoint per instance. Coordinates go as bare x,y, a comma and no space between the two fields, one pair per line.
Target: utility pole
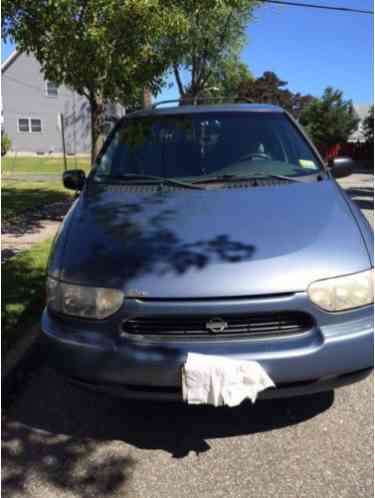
63,139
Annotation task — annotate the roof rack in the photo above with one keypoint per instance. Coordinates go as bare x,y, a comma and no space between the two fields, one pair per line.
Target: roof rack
195,100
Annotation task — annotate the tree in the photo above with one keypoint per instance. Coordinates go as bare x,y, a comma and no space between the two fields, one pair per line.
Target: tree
266,89
224,81
299,103
270,89
330,120
212,41
107,50
368,126
227,78
6,143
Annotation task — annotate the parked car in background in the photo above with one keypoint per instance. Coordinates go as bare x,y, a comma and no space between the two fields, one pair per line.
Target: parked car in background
212,229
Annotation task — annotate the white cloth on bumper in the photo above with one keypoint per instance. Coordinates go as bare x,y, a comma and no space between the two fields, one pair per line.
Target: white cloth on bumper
217,380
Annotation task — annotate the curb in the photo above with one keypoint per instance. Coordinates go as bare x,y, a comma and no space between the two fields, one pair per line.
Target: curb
23,359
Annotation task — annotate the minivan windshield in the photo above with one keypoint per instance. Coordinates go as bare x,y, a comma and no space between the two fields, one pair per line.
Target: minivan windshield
198,146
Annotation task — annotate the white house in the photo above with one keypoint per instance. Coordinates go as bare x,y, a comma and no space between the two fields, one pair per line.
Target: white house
32,106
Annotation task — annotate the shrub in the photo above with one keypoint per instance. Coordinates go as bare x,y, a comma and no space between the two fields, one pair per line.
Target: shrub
6,144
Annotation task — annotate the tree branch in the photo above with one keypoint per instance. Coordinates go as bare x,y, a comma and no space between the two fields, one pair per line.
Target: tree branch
86,93
204,80
226,27
178,80
203,64
204,71
193,69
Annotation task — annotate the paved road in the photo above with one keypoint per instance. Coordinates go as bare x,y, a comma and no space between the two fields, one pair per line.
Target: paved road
60,441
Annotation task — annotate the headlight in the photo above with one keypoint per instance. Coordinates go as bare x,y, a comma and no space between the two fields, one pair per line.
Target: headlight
343,293
85,302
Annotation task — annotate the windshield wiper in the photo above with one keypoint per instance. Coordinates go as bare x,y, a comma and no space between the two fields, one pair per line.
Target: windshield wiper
282,177
161,180
246,178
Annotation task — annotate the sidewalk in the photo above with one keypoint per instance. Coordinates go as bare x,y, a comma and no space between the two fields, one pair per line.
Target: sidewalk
31,227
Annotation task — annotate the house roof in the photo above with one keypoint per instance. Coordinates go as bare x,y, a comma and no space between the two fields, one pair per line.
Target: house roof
10,59
362,111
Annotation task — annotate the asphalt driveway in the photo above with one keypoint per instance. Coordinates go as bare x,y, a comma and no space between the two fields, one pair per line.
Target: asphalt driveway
60,441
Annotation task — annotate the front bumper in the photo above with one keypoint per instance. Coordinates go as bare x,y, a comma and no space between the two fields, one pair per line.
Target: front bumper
175,394
337,352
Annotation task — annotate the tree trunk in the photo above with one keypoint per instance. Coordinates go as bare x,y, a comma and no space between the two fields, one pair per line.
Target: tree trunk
96,108
178,80
147,98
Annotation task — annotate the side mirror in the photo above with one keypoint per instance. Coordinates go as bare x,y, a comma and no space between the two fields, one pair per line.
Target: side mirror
341,166
74,179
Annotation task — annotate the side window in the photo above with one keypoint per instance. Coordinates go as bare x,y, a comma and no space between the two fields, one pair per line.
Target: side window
105,162
23,125
30,125
36,125
298,150
51,89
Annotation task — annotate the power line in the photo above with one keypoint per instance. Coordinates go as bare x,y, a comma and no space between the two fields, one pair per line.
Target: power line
315,6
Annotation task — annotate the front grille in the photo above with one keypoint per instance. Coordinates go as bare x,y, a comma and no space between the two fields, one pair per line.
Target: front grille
250,325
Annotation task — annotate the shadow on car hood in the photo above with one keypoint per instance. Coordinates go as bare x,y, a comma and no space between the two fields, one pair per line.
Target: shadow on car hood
212,243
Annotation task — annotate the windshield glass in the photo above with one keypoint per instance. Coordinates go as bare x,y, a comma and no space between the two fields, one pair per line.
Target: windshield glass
195,146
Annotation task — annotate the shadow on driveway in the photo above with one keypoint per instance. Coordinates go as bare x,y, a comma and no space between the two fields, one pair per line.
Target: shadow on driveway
79,441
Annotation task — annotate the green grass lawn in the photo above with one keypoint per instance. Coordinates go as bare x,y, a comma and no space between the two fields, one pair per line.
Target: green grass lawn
18,196
41,165
23,292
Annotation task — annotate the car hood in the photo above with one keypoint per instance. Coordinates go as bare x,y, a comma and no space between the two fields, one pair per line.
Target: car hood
224,242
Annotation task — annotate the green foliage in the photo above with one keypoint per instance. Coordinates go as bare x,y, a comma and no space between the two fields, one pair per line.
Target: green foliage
6,144
368,126
270,89
211,44
227,78
267,88
330,120
107,50
23,295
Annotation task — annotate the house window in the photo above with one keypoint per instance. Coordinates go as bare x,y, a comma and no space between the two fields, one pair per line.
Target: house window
36,125
51,89
30,125
23,125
